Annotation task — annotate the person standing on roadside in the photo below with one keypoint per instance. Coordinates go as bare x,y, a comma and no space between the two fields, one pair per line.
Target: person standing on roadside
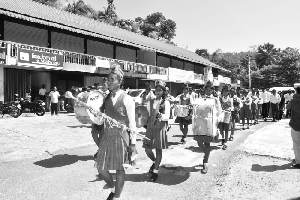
288,97
274,100
42,93
265,96
54,95
294,106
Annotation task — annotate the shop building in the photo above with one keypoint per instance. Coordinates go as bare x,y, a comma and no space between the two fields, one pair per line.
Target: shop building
44,45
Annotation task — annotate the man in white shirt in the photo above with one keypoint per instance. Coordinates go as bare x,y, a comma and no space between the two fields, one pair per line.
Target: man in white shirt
54,95
274,100
265,97
42,93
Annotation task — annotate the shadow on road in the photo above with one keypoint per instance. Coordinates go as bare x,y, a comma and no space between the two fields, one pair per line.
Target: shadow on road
201,150
296,198
62,160
166,176
80,126
270,168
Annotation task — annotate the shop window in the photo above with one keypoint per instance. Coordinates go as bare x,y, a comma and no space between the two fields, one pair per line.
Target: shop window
128,54
177,64
98,48
67,42
163,61
199,69
25,34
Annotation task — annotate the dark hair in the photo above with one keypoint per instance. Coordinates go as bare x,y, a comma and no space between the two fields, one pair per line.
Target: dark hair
165,93
298,90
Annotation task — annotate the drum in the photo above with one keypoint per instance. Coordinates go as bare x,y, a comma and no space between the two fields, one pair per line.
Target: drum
95,100
141,116
227,116
181,110
204,117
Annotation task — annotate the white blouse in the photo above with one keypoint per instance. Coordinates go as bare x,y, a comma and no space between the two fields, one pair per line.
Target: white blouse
166,115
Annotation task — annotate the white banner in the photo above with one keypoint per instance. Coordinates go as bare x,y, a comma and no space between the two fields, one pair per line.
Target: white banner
180,76
102,63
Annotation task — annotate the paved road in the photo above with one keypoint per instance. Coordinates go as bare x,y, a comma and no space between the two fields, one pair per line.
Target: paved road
70,173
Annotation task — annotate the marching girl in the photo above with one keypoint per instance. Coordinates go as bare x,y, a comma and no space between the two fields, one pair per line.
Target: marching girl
227,107
184,122
245,111
234,113
202,136
157,128
116,144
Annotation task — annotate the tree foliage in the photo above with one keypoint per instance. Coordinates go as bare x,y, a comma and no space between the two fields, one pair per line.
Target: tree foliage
269,66
53,3
79,7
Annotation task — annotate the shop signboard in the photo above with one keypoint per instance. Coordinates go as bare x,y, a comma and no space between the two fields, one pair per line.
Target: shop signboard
135,75
39,57
3,51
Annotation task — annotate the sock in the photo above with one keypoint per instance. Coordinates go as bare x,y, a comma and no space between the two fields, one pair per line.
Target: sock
113,190
155,171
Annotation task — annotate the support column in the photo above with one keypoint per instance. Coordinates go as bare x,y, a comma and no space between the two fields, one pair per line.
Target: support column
1,83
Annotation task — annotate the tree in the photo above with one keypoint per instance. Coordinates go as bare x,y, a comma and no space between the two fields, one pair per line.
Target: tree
80,8
288,71
167,29
203,53
157,26
53,3
266,55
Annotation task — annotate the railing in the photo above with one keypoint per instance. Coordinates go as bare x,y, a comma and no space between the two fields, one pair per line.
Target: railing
83,59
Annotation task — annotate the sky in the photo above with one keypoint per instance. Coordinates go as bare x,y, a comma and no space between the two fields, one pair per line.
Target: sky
229,25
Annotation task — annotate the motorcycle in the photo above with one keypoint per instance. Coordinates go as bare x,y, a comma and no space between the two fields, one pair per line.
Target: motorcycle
26,106
10,109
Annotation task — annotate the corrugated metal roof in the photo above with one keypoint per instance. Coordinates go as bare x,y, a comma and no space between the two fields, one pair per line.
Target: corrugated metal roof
42,14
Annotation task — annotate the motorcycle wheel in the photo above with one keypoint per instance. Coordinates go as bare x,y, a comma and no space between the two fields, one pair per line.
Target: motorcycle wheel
40,111
15,112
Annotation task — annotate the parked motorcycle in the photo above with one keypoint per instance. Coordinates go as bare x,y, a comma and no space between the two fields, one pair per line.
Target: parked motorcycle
26,106
10,109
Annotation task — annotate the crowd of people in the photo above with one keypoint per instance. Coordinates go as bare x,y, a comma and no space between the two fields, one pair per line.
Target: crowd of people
227,107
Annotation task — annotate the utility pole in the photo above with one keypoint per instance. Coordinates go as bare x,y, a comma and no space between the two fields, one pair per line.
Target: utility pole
249,70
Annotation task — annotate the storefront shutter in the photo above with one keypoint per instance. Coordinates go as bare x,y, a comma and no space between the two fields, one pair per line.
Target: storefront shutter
97,48
25,34
123,53
67,42
16,81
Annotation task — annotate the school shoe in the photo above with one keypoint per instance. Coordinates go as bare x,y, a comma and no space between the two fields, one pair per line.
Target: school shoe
205,168
95,155
154,177
110,196
183,140
224,147
297,166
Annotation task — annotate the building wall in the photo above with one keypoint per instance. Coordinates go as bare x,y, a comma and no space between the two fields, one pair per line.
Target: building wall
67,42
1,83
25,34
146,57
98,48
124,53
